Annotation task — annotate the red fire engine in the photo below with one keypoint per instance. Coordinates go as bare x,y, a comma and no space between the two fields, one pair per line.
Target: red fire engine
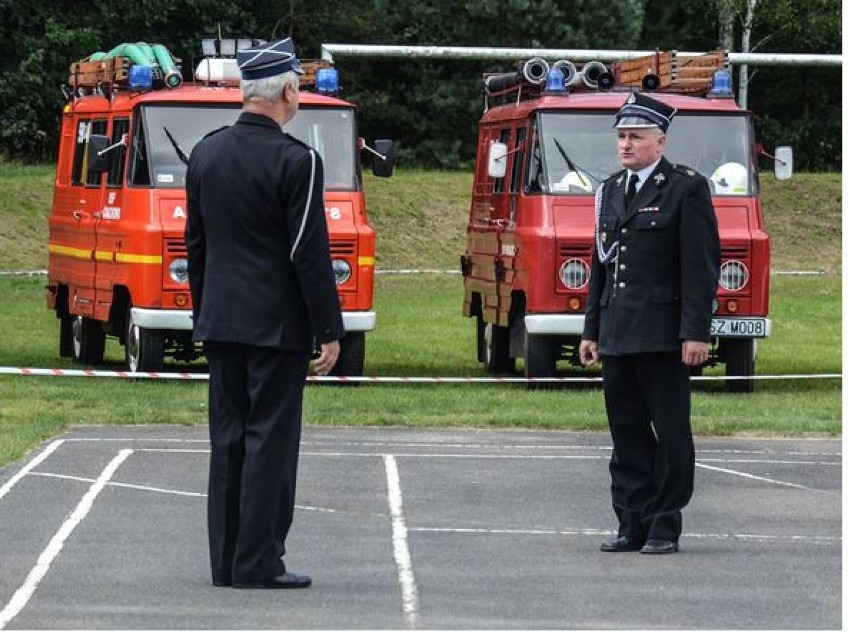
545,144
117,259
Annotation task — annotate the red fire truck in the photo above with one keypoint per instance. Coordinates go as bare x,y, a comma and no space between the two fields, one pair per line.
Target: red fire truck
546,142
117,259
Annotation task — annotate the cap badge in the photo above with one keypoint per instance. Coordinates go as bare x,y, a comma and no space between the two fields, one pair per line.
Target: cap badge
631,98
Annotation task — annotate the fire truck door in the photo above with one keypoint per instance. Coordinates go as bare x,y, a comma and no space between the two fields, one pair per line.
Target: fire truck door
76,226
505,260
108,241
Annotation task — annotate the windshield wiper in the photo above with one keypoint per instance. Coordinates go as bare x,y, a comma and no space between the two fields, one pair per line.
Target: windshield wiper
178,150
582,173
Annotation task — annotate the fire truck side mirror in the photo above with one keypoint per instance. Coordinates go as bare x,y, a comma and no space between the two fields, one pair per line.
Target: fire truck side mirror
98,153
783,162
384,158
498,155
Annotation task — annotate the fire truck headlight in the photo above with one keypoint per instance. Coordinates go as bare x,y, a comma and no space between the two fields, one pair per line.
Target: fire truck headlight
342,271
574,274
178,271
734,275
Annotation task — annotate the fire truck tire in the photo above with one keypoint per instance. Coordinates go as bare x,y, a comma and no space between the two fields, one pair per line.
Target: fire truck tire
143,348
66,337
496,347
351,359
87,340
739,361
539,359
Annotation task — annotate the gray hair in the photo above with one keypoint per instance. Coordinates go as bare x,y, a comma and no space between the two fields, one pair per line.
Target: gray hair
268,88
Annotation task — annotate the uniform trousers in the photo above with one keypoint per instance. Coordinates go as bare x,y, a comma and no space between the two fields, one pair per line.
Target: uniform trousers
255,412
653,459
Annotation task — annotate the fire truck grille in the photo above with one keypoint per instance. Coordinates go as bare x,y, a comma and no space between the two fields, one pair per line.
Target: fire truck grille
575,252
175,246
734,253
341,248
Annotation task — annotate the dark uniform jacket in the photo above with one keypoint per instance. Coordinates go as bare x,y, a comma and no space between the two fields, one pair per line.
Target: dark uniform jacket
659,289
259,265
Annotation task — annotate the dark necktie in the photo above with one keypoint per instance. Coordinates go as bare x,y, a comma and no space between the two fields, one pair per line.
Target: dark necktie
631,190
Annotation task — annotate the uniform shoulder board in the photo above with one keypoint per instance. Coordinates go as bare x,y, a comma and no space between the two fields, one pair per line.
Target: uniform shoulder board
298,142
216,131
689,172
613,175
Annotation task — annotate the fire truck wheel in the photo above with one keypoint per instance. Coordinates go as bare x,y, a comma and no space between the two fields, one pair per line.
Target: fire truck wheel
539,359
351,358
66,337
496,346
739,361
143,348
88,340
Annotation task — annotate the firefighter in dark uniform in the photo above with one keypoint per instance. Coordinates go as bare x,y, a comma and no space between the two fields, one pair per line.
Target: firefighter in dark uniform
653,281
263,293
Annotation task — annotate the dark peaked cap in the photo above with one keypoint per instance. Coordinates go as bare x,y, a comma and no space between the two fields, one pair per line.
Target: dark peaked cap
268,60
640,110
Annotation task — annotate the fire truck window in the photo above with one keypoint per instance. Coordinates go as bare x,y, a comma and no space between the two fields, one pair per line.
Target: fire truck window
536,181
518,158
97,127
139,172
500,183
80,152
119,154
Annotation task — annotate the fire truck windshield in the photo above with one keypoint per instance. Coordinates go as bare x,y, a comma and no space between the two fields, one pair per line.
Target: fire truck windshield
155,160
572,152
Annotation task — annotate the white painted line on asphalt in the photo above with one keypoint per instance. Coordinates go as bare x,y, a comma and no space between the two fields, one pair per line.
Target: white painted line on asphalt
23,594
400,543
160,490
807,539
752,476
476,446
29,466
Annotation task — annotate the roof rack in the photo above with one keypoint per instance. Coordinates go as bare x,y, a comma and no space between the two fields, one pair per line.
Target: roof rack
663,71
674,72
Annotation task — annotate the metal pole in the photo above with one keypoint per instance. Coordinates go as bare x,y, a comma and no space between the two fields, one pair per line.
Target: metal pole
573,54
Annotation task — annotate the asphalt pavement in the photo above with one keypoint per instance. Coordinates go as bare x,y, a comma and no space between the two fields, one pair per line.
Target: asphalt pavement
104,528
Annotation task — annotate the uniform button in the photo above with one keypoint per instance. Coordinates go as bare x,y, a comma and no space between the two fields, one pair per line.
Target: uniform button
622,267
623,248
653,223
622,284
623,231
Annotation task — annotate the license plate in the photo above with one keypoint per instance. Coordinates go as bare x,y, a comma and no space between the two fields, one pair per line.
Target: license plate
740,327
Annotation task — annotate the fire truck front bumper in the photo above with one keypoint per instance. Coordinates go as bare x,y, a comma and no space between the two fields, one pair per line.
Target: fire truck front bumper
359,321
554,324
181,320
171,319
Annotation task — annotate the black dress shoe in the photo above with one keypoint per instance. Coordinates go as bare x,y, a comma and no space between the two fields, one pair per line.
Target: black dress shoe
221,582
620,545
659,547
286,580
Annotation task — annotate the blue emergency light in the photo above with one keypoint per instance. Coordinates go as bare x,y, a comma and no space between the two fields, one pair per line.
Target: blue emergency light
555,80
721,85
328,81
140,77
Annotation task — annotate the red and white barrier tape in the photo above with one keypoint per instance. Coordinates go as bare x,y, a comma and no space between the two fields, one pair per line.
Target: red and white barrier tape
26,371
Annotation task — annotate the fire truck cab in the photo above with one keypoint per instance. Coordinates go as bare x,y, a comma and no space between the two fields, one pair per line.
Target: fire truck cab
117,258
546,142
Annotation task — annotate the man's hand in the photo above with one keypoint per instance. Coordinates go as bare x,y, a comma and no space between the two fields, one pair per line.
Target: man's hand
327,357
694,353
588,352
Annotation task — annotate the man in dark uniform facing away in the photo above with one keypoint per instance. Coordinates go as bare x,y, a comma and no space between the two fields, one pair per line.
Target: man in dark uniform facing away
263,291
654,276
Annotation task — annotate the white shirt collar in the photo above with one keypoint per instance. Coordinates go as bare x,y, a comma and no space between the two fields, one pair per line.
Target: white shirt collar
643,174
